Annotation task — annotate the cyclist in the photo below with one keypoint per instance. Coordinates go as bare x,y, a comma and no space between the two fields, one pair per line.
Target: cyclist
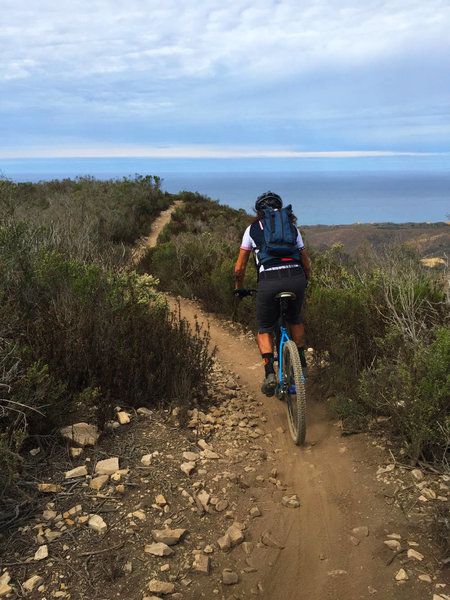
279,275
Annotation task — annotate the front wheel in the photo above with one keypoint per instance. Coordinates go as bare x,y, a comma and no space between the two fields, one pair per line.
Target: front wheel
294,391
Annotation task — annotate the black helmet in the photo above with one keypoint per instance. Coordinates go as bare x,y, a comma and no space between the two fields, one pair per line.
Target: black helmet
268,199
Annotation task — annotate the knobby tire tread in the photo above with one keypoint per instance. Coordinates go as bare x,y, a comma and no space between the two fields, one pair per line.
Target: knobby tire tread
296,408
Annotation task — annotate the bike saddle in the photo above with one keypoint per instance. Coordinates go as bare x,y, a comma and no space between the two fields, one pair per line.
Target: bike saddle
289,295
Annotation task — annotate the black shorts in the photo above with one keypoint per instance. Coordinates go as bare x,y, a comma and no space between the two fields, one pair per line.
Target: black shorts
272,283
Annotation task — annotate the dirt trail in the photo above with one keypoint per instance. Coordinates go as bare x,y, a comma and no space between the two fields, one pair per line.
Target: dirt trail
335,479
158,225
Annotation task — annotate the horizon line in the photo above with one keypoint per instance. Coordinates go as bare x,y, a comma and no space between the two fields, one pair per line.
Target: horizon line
202,152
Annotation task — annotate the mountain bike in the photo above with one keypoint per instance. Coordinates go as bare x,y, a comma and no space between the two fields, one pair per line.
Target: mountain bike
290,378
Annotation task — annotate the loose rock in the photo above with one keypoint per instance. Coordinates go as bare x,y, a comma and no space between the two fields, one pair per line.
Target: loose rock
201,564
41,552
159,549
229,577
32,582
269,540
360,532
81,434
161,587
76,472
97,524
107,466
401,575
168,536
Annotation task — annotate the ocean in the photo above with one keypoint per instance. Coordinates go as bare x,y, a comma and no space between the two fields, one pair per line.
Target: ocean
328,193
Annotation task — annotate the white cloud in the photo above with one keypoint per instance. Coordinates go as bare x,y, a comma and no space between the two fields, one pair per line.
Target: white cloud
185,39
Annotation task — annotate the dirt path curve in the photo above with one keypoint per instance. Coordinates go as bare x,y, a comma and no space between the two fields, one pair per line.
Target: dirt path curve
334,478
158,225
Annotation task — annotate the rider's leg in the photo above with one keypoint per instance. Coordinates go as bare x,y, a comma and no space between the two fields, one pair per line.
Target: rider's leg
265,342
298,335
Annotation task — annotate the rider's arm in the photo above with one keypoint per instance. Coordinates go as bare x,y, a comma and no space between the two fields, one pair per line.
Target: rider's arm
239,269
305,262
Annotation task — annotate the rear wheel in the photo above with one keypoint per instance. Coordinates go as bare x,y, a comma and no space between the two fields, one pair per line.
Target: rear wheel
294,392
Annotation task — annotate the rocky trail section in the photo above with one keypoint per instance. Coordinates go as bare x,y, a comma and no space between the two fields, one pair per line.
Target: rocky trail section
224,507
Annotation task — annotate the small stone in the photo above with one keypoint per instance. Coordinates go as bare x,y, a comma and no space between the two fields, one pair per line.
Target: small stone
229,577
161,587
221,505
160,500
128,567
354,540
187,467
203,445
417,474
41,552
158,549
255,512
51,536
146,460
49,515
247,547
235,535
269,540
144,412
107,466
76,472
425,578
201,564
360,532
414,554
97,524
210,455
168,536
191,456
98,482
75,452
5,578
81,434
35,451
337,572
393,544
32,582
401,575
394,536
204,498
49,488
5,589
123,417
290,501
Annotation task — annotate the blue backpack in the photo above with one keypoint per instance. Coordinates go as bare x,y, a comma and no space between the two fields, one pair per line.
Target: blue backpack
280,235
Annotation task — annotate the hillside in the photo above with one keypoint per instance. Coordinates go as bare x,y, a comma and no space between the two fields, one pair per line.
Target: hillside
431,239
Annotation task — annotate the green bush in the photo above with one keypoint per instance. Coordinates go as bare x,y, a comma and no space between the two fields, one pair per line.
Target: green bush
79,333
414,391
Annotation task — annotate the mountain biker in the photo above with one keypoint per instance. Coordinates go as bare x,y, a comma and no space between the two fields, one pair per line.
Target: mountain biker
281,274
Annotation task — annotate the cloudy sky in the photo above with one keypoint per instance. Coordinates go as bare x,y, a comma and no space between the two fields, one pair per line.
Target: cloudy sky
209,78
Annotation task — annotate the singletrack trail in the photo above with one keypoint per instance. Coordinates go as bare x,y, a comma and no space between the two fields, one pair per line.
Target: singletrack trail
335,480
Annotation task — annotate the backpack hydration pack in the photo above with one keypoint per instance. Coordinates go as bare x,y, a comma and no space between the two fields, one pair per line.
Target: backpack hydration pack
280,236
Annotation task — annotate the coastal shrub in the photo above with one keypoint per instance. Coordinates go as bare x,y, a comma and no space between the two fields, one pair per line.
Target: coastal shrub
91,220
413,389
76,339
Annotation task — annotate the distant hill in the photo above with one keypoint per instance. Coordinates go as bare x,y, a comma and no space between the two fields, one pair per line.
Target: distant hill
431,239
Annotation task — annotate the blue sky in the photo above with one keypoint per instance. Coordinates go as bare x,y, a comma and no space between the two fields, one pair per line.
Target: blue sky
185,79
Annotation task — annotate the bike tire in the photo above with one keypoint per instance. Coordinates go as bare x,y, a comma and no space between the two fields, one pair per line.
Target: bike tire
295,395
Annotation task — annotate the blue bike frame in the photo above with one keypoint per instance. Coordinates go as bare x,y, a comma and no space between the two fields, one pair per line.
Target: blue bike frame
283,339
